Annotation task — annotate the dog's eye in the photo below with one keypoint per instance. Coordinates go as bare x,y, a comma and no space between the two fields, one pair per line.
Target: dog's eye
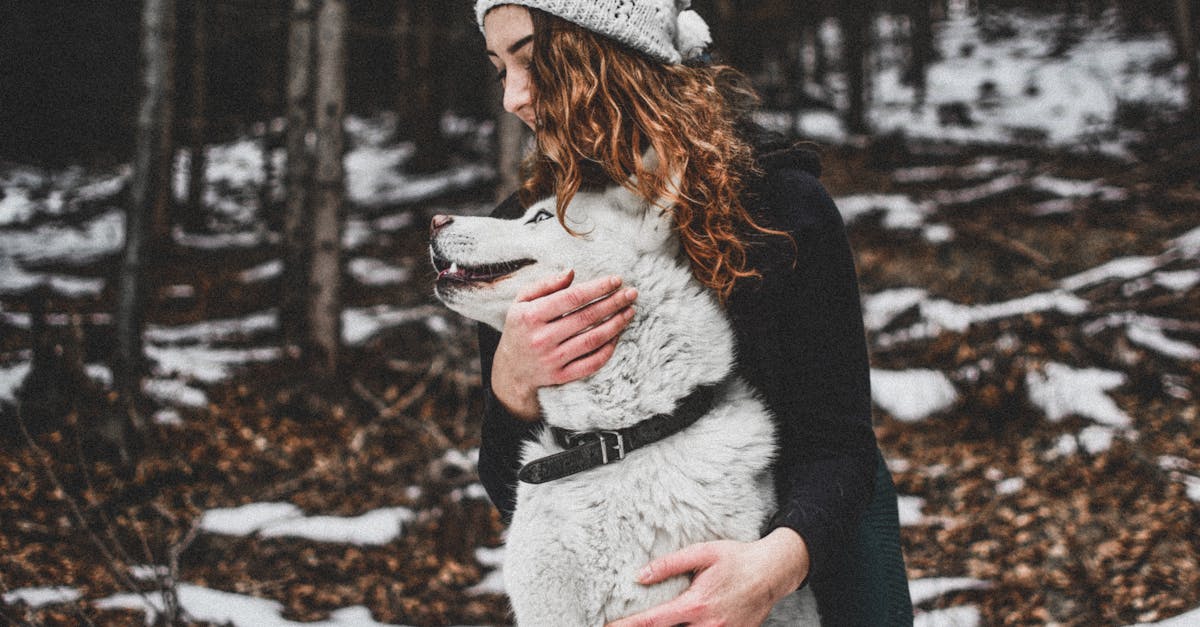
542,214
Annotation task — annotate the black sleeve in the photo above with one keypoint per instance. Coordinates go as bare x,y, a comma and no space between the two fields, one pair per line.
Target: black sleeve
501,437
802,345
501,433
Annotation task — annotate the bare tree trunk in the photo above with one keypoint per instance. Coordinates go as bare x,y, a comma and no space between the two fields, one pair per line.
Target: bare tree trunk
297,237
921,48
406,110
855,19
431,152
199,160
153,142
1187,51
324,297
161,192
511,136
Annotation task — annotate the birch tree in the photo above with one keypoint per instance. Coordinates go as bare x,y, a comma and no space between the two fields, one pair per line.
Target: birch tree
147,193
324,305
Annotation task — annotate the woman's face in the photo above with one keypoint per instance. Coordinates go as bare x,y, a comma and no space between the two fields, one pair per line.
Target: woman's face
508,31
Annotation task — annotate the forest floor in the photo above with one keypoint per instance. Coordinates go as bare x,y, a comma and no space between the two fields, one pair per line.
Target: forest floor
1033,318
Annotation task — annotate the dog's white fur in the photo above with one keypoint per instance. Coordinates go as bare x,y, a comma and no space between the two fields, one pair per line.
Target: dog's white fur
576,543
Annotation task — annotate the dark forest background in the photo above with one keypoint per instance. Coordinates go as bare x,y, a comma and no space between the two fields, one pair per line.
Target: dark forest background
69,70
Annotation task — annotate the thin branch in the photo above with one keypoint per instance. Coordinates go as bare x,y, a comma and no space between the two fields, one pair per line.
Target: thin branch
110,562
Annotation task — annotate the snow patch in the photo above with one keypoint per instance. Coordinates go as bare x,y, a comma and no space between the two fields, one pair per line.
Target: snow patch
881,308
1123,268
928,589
375,272
899,211
38,597
376,527
1153,338
273,520
960,616
910,510
214,330
360,324
247,519
1061,390
10,379
911,395
175,392
493,582
216,606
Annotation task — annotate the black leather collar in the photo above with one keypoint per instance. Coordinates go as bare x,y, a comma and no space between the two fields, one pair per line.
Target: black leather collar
588,449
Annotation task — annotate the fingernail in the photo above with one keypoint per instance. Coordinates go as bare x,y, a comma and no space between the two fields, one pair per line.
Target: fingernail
628,313
644,575
614,281
630,294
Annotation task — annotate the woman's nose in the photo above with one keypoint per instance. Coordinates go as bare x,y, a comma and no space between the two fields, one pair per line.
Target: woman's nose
438,222
516,92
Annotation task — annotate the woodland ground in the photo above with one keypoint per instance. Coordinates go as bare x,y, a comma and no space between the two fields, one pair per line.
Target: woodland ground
1042,524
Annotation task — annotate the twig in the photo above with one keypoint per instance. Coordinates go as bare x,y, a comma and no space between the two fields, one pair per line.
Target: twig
396,410
110,561
1015,247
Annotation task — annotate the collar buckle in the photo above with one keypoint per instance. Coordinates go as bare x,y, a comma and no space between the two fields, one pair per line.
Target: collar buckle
615,445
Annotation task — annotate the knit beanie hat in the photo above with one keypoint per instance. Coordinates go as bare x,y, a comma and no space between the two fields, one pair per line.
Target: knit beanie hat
665,30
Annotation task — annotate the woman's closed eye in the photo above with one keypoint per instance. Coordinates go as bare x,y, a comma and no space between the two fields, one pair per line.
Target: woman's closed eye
542,214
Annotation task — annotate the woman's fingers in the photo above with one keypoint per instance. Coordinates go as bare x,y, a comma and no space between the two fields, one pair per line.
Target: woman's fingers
587,364
582,320
566,302
546,286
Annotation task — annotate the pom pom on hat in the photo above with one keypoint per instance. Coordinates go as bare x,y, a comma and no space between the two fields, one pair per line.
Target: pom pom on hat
691,35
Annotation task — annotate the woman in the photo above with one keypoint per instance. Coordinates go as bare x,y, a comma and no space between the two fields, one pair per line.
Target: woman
600,81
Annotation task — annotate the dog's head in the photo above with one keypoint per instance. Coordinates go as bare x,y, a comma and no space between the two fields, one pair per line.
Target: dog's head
484,263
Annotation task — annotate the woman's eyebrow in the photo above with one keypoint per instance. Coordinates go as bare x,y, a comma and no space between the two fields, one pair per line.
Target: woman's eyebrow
520,43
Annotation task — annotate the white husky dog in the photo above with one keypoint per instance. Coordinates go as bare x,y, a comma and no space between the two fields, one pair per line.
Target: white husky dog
577,542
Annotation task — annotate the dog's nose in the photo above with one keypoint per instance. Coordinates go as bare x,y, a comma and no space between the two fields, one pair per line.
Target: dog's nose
438,222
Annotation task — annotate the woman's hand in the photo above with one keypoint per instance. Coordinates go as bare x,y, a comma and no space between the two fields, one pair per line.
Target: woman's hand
734,583
555,333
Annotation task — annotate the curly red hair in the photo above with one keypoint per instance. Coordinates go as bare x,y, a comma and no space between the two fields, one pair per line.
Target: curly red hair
600,105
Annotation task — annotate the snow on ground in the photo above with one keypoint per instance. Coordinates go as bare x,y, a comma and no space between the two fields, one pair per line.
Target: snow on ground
203,363
1014,88
239,610
175,392
263,272
11,378
360,324
1123,268
376,272
214,330
899,211
910,510
911,395
881,308
1187,619
493,582
923,590
940,315
961,616
101,236
1153,338
275,520
1183,471
1060,390
37,597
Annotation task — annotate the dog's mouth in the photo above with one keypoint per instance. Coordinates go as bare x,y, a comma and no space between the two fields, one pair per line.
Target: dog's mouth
453,272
